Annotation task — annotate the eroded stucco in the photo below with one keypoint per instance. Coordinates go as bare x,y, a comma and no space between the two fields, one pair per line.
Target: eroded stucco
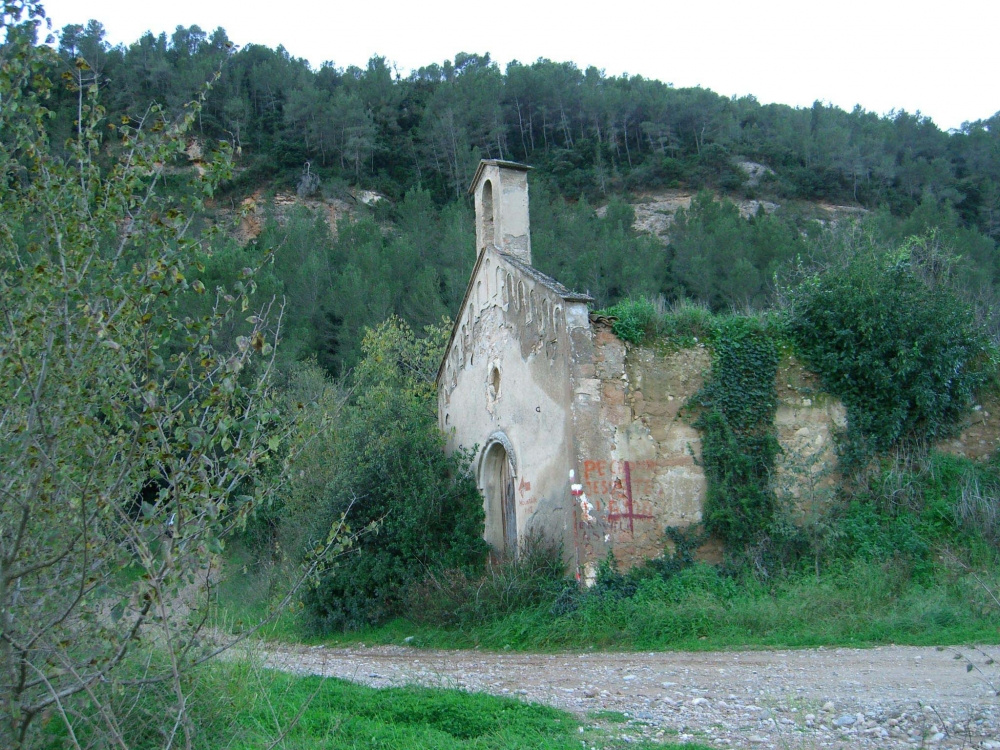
530,375
637,451
508,373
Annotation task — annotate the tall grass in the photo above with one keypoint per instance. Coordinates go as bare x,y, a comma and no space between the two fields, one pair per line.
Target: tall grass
700,609
909,557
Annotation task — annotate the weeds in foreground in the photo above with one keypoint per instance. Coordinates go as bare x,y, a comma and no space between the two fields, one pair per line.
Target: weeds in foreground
979,659
240,705
509,584
904,565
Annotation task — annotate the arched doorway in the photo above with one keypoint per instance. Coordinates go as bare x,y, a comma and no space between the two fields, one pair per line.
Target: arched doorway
497,472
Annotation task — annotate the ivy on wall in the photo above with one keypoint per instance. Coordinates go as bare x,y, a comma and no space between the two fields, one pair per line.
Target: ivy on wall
737,403
739,445
885,330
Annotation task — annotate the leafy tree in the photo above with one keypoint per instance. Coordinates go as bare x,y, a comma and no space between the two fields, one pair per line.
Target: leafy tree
416,268
603,256
709,260
385,470
131,441
723,260
889,336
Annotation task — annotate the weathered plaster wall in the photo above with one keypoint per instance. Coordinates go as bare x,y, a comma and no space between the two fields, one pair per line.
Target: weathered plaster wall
807,423
597,358
500,195
637,455
507,374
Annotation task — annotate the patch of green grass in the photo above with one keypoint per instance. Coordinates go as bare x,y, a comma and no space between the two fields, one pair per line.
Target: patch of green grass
240,706
250,593
911,559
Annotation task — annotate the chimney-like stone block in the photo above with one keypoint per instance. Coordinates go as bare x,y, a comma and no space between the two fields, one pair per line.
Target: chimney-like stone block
500,189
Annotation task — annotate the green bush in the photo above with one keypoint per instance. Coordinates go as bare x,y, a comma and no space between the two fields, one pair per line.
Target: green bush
385,473
634,319
510,584
640,320
895,343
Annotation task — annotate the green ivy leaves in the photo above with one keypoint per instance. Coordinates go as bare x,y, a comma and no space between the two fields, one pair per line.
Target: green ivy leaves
738,441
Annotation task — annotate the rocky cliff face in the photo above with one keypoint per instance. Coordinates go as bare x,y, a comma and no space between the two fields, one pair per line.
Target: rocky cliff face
655,212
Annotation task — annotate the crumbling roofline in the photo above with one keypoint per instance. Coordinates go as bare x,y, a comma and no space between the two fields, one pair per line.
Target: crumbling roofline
529,271
545,280
483,163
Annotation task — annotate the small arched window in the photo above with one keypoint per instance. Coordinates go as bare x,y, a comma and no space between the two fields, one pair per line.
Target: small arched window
487,213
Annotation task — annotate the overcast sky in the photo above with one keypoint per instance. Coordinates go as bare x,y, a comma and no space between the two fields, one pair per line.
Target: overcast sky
936,57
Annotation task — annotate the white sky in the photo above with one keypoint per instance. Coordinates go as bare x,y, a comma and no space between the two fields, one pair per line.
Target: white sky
936,57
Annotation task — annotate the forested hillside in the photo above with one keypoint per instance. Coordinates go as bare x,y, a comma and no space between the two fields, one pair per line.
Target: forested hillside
596,141
176,392
592,134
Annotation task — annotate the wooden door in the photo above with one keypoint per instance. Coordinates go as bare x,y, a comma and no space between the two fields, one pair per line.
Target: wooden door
508,507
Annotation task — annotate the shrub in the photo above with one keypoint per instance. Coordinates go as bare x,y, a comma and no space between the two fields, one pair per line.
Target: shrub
895,343
387,474
634,319
978,508
509,584
641,321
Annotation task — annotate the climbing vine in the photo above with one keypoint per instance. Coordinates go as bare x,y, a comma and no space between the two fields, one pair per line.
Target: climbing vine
737,422
737,405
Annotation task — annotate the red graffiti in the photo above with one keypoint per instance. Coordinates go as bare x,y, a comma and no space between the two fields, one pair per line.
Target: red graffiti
524,487
621,493
593,467
593,470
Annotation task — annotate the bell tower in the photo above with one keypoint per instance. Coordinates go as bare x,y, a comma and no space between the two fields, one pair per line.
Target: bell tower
500,189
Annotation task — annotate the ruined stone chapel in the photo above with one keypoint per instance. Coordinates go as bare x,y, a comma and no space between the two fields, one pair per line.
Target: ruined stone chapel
579,435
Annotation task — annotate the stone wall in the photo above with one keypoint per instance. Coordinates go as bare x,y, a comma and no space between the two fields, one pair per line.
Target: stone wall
979,431
807,423
639,455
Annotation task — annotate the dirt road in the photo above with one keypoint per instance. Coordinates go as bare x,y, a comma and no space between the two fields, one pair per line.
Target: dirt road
888,697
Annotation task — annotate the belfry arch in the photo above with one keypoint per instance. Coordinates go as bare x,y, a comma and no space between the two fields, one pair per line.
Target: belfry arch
488,220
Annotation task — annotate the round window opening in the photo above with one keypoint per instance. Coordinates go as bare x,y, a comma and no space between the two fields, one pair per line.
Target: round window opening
495,382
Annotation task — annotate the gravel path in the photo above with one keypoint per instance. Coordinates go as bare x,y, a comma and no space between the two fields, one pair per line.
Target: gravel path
887,697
